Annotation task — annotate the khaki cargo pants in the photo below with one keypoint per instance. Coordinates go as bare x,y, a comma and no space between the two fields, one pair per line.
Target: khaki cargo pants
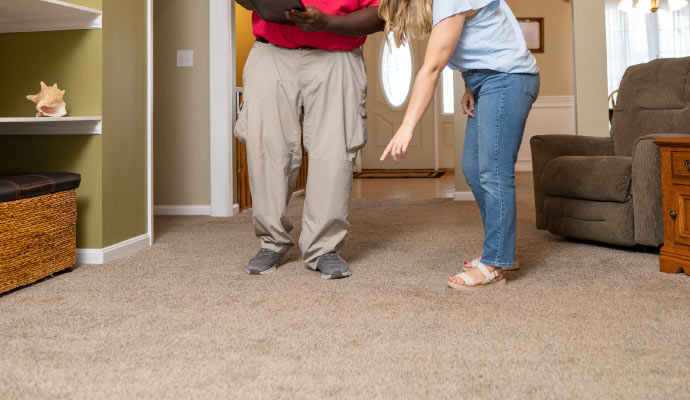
328,90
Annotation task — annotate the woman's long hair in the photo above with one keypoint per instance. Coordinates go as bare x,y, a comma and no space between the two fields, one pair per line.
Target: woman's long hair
406,19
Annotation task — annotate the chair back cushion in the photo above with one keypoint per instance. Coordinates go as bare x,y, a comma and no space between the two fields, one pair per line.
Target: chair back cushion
654,98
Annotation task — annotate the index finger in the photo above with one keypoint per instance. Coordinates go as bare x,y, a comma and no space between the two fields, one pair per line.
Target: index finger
385,152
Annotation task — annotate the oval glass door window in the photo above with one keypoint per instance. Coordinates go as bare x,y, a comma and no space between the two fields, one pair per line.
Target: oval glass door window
396,72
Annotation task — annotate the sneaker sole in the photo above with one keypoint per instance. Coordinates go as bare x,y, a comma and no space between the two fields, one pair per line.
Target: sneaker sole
268,271
338,275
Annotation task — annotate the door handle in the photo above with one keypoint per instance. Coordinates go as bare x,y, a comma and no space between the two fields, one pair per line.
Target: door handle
687,164
673,214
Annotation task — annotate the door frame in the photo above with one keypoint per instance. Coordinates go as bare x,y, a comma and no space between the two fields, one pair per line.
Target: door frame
222,106
149,118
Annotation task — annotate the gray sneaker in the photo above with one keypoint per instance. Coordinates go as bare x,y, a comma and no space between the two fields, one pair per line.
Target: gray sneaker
265,262
332,266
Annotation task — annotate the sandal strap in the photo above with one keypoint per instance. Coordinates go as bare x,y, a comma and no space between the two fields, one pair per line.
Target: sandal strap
490,276
469,281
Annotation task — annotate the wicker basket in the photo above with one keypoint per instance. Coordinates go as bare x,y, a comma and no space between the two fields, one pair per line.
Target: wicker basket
37,238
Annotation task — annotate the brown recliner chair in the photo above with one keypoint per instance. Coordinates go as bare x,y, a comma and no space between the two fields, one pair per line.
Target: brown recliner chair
608,189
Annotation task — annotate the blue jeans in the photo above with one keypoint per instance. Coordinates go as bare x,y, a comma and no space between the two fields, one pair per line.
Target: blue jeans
492,140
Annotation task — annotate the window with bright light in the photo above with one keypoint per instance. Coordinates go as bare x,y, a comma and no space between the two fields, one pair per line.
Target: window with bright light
396,72
636,37
448,91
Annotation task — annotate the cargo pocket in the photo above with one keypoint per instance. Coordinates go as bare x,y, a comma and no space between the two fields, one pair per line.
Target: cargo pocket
242,125
358,137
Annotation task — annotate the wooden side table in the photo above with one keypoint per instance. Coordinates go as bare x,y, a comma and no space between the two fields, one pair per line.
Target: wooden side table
675,182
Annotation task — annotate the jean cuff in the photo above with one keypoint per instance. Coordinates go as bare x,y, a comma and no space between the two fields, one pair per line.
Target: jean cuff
498,264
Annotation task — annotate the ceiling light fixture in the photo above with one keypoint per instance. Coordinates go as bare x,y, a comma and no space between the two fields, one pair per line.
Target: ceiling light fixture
650,6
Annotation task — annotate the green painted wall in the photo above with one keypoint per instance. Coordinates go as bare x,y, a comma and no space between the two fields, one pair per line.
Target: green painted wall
73,60
104,73
79,154
97,4
125,203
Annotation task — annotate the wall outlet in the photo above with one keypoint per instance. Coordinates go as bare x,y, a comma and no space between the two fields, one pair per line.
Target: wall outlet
185,58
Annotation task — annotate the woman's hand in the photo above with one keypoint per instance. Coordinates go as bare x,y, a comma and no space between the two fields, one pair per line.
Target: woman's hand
468,103
442,42
397,147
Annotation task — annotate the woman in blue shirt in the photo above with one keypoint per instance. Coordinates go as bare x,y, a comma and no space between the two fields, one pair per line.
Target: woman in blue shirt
481,38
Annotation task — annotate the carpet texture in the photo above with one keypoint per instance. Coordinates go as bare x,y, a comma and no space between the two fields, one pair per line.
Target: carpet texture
182,320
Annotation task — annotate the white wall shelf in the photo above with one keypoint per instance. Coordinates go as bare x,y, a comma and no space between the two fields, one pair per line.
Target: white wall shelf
51,126
46,15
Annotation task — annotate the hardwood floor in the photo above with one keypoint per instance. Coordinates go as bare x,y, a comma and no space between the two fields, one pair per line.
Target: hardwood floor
429,188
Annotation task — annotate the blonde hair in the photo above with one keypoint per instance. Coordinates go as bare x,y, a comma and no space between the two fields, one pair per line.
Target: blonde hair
406,19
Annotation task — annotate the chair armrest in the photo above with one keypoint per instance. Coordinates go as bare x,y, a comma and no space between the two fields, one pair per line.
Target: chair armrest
547,147
646,189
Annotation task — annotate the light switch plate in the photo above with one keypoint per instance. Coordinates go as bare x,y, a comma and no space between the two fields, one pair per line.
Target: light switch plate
185,58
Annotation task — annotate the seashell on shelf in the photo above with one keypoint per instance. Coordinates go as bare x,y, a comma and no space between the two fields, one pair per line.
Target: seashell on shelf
49,101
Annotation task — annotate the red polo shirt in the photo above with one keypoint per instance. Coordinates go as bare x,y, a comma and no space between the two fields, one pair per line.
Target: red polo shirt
292,37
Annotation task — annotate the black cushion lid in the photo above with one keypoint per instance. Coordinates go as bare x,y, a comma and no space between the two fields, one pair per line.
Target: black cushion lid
22,186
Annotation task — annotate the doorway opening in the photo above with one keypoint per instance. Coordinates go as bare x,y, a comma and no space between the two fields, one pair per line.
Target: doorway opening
391,72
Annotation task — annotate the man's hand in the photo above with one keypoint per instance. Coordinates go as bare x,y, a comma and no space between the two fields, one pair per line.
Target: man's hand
246,4
311,20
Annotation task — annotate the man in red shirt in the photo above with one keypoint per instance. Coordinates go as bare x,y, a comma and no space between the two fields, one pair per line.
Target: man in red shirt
309,75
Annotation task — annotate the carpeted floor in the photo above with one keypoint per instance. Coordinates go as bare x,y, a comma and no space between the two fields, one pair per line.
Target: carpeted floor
181,320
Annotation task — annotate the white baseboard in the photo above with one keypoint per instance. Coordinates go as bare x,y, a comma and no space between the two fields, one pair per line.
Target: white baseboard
464,196
114,252
190,210
182,210
523,166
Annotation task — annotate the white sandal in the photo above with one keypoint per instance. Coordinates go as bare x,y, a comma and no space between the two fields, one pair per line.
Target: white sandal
466,266
491,279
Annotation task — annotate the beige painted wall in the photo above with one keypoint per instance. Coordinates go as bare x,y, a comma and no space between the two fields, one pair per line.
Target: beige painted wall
590,67
556,63
181,104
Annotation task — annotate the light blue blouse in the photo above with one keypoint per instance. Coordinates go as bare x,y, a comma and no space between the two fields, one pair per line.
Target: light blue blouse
491,40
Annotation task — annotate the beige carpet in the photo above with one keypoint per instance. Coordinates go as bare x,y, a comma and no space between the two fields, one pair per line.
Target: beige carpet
182,320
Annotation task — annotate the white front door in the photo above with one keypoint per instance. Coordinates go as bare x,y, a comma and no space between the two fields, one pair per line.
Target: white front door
390,78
